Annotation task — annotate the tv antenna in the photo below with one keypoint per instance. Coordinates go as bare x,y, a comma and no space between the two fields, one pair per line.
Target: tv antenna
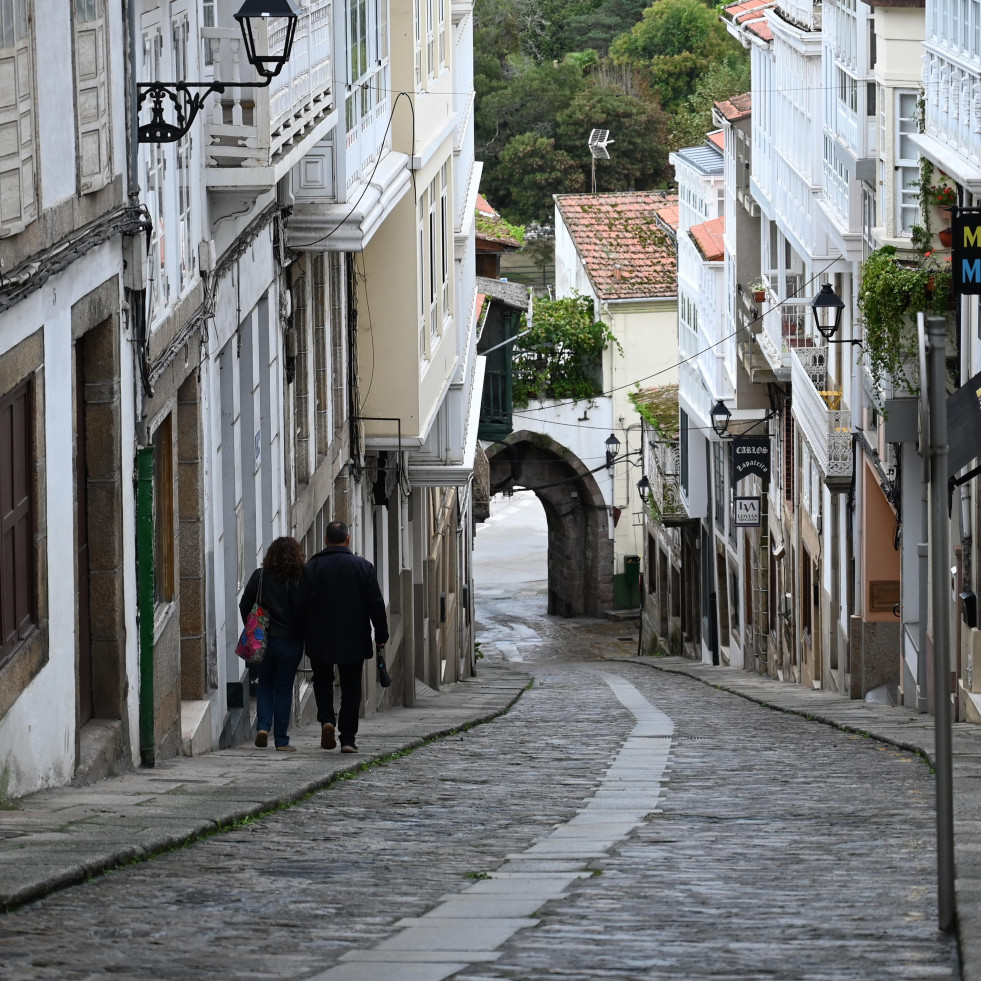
599,140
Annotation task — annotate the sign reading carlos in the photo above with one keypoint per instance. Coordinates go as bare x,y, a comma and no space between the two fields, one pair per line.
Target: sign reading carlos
750,455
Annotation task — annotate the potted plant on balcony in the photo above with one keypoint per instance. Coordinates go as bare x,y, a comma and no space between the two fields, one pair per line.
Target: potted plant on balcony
758,289
891,291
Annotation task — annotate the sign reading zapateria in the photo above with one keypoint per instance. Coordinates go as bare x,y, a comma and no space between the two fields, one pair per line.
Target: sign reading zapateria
750,455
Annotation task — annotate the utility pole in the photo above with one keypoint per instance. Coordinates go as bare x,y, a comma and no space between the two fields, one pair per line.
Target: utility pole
934,395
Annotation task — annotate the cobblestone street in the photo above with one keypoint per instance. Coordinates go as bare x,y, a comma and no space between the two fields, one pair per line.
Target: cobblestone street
618,822
748,868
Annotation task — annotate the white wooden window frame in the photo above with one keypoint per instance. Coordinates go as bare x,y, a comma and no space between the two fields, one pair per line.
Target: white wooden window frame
18,135
92,116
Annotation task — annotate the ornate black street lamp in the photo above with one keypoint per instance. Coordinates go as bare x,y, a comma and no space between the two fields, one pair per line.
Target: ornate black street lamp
612,445
828,308
644,488
720,416
187,104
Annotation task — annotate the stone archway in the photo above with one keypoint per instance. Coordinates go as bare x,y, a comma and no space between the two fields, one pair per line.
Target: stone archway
580,549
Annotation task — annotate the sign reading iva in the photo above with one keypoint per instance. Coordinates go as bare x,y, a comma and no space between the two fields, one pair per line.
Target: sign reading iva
750,455
966,258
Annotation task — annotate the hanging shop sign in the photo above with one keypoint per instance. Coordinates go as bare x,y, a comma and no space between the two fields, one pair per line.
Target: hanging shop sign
965,263
750,456
964,425
748,512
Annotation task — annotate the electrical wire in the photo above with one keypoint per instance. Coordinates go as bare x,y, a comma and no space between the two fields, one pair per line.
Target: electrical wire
697,354
367,183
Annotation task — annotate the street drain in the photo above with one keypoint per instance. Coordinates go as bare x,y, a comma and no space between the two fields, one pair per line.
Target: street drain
628,640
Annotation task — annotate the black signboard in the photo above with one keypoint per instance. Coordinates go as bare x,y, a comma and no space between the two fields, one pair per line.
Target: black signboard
966,257
964,425
750,455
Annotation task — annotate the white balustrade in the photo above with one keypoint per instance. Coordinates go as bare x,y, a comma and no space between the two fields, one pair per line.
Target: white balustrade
823,420
248,126
953,100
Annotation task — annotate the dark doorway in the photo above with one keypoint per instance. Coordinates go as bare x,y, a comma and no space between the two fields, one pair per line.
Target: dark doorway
82,565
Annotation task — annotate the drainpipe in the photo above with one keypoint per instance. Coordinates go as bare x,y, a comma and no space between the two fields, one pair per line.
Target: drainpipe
144,596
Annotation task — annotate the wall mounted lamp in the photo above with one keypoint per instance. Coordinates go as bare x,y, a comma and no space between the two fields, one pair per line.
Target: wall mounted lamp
612,445
828,307
644,488
720,416
186,104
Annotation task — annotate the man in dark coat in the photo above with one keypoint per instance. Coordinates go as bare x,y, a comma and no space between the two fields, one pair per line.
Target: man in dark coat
339,601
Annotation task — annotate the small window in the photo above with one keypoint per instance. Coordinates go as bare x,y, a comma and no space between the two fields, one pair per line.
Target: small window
18,601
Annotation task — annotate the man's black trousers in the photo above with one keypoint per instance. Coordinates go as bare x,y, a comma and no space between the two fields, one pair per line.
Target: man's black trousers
346,720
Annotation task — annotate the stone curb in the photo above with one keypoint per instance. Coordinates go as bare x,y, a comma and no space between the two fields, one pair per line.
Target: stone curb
58,838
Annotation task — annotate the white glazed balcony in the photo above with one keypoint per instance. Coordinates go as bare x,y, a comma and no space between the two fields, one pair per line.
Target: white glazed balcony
953,102
254,127
824,419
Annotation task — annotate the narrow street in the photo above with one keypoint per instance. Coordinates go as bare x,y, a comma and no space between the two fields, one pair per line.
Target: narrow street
619,822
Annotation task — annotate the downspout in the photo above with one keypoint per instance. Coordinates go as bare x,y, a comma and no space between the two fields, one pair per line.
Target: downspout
144,597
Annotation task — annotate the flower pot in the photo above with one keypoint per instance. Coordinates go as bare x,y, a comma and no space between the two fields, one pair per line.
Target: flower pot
759,295
946,236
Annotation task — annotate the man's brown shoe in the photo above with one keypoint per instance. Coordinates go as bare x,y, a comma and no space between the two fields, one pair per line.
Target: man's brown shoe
327,740
261,738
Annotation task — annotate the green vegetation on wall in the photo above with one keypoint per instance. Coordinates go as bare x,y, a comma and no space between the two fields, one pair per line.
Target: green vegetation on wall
561,357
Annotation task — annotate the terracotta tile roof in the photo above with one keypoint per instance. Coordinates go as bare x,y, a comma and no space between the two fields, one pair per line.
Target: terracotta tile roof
492,232
708,239
483,206
669,216
627,255
750,14
717,138
738,107
746,10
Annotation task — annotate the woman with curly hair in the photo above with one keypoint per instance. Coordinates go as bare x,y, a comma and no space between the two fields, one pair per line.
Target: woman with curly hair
277,580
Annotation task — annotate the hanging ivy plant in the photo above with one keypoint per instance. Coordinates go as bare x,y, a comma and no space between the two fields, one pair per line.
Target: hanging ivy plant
561,358
891,292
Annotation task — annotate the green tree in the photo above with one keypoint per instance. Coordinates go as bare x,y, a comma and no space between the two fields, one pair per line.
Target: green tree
693,119
534,170
672,44
638,156
598,26
561,357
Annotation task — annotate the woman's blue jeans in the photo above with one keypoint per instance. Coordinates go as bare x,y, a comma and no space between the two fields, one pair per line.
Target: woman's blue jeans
275,696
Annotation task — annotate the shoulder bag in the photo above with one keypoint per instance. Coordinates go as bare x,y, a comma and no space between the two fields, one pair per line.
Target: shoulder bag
252,644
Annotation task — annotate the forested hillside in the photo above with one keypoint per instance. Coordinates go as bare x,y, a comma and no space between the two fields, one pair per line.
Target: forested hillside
547,72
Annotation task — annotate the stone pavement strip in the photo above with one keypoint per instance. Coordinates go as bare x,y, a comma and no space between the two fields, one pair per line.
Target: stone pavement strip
897,726
58,838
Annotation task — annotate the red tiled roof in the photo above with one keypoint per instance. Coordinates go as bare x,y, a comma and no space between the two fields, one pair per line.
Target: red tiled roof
483,206
708,239
669,216
717,138
626,254
738,107
750,14
746,10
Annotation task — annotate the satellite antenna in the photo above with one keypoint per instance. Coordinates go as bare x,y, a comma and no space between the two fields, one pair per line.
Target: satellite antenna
599,140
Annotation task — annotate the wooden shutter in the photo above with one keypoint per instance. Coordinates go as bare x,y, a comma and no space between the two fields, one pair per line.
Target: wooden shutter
16,564
18,150
92,95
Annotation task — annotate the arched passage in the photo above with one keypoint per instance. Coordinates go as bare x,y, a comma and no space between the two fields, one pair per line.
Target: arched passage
580,550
